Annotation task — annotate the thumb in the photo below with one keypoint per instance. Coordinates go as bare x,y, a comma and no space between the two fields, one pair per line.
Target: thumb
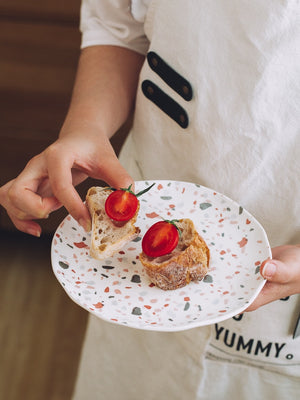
276,271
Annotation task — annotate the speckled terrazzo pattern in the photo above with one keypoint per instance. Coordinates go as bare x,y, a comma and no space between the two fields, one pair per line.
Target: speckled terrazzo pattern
118,290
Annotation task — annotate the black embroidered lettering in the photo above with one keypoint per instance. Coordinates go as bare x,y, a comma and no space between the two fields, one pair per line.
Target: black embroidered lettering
260,348
285,298
256,348
244,346
278,348
218,331
238,317
231,344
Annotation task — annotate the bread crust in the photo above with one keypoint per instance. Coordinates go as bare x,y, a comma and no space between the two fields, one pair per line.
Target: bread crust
180,267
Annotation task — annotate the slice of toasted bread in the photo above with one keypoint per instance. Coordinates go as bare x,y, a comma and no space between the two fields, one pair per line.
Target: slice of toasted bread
189,261
108,237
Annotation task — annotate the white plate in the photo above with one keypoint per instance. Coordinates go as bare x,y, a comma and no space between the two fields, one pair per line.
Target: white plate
118,290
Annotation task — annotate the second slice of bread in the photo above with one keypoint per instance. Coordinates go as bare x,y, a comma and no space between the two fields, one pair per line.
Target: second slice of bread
108,237
189,261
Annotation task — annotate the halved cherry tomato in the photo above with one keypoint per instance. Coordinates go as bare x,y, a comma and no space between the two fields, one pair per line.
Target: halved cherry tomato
160,239
121,205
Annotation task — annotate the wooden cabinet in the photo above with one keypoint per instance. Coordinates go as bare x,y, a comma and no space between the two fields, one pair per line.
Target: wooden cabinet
39,47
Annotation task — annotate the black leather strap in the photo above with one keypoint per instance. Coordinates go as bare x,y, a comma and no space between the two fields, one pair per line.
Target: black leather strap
170,76
165,103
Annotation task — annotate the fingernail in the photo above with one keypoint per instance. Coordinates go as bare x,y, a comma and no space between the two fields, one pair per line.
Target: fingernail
43,215
269,270
87,225
34,232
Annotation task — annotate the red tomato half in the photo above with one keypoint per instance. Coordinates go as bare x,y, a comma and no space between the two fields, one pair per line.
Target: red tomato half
121,205
160,239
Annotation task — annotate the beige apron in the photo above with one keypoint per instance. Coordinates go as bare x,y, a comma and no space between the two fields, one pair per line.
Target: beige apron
232,125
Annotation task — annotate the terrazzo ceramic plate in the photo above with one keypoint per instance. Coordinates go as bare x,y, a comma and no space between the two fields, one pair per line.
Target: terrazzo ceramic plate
118,290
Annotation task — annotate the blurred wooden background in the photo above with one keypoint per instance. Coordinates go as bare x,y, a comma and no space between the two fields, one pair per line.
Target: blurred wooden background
41,329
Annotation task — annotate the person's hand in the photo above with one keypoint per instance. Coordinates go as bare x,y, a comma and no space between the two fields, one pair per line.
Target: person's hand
102,99
48,181
282,273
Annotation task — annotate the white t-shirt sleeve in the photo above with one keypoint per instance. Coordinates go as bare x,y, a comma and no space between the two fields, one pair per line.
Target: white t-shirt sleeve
110,22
